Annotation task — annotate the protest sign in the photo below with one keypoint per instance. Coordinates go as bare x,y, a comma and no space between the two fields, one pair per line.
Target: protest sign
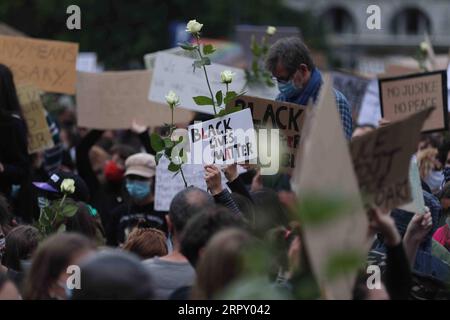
224,140
405,95
39,136
417,205
381,159
333,219
370,113
49,65
112,100
353,87
167,184
188,83
288,117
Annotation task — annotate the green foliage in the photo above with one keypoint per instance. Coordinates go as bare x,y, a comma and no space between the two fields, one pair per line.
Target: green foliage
208,49
156,142
344,262
203,101
318,209
53,217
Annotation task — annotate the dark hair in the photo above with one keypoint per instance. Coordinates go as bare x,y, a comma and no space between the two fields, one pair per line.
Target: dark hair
186,204
21,242
270,212
123,150
84,223
9,102
116,275
291,52
279,240
246,206
50,259
146,243
221,263
5,211
203,226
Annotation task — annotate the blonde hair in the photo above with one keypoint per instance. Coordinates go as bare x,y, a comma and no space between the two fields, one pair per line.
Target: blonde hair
426,159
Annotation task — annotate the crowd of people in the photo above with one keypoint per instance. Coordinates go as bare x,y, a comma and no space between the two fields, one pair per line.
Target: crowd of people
243,241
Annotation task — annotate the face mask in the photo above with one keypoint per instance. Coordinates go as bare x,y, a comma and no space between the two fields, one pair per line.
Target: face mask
43,202
434,180
138,190
113,172
288,89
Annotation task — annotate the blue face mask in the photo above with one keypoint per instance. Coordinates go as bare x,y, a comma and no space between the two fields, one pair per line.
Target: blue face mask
288,89
138,190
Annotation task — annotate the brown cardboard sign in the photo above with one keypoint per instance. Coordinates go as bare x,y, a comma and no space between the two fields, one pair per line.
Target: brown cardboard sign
335,235
39,136
49,65
112,100
381,160
288,117
405,95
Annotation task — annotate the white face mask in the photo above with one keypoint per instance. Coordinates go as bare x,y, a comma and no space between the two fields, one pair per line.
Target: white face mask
434,180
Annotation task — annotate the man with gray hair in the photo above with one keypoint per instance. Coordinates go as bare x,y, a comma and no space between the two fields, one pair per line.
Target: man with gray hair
299,80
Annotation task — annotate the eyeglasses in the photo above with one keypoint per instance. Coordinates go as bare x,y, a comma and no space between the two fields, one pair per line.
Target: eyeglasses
283,80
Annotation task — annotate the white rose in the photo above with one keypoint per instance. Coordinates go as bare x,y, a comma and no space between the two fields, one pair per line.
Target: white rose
172,99
193,27
424,46
271,30
68,186
177,160
227,76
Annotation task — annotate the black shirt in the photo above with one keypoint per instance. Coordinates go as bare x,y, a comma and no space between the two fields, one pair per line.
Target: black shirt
126,216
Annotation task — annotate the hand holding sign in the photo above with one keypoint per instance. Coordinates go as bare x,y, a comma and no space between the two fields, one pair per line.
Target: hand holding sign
213,179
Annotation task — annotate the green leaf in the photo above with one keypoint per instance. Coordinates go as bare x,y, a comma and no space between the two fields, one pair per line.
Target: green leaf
62,228
230,96
156,142
158,157
187,46
173,167
206,61
203,101
219,97
168,143
229,110
208,49
197,64
69,210
202,62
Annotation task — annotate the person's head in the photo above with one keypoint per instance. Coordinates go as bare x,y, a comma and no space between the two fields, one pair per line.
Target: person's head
48,274
114,275
247,208
84,221
8,290
290,62
187,203
9,102
284,244
202,227
140,170
221,263
146,243
114,168
21,242
51,189
270,212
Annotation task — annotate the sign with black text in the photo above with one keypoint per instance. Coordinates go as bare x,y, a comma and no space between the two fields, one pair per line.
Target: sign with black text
404,95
